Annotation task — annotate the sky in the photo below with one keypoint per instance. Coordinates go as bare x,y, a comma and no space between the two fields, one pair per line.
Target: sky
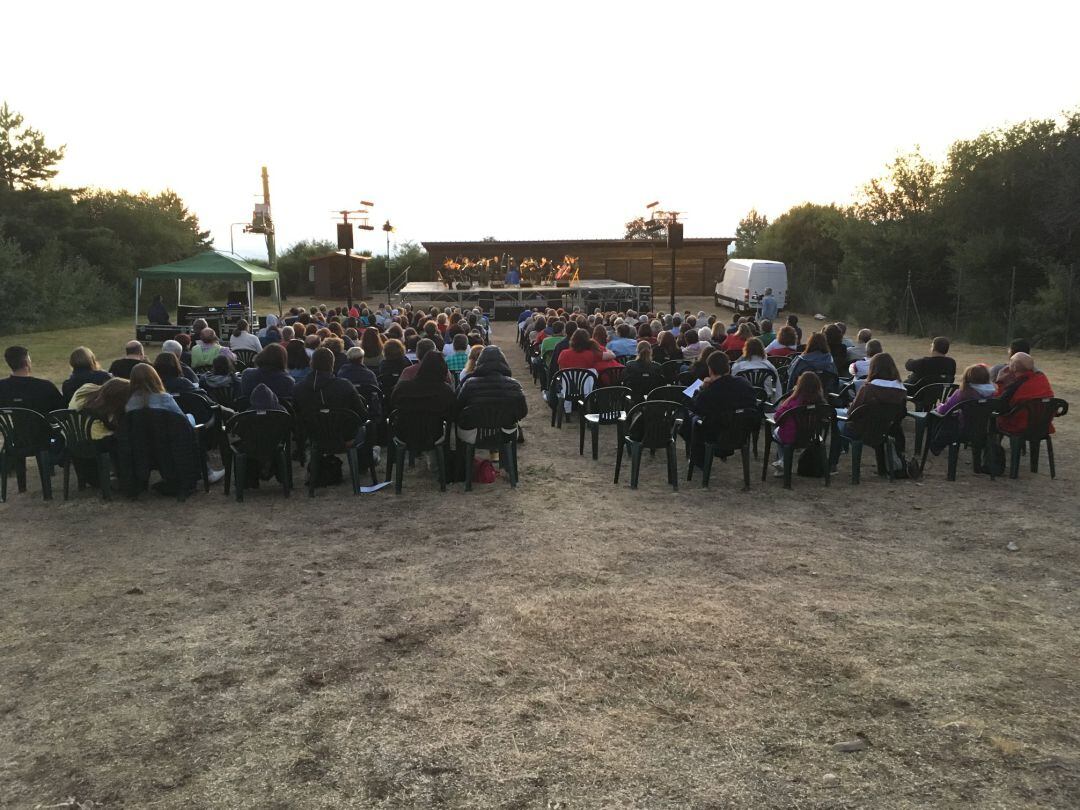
520,120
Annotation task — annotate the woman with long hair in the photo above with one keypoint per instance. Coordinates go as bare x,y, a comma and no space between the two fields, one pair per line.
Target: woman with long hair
372,344
243,339
167,365
146,390
753,359
785,344
269,369
107,402
666,348
642,374
883,387
816,358
84,369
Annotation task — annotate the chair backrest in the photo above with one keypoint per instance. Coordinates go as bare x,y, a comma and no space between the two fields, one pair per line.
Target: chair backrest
25,432
810,423
155,439
488,417
419,432
642,383
876,420
260,434
758,377
976,416
733,355
653,423
76,428
625,358
571,382
245,357
611,376
387,381
199,405
731,429
829,381
668,393
330,428
1040,414
930,395
672,369
221,394
780,361
608,403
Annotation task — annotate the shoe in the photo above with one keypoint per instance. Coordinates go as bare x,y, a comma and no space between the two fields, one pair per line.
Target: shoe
778,473
216,475
778,464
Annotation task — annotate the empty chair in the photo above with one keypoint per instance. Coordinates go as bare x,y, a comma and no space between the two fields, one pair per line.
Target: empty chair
26,434
79,445
255,439
604,406
569,385
650,425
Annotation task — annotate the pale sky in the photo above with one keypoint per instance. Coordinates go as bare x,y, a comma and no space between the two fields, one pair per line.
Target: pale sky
521,121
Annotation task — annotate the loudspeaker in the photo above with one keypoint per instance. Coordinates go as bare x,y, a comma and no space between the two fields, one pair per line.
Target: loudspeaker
674,235
486,304
344,236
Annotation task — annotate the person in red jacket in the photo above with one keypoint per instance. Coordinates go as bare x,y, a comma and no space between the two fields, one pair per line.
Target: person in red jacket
585,353
1017,384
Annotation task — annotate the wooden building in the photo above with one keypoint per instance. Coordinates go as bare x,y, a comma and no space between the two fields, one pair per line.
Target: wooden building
331,276
636,261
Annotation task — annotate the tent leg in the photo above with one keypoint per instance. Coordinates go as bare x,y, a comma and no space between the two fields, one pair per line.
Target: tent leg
138,284
251,304
179,282
277,294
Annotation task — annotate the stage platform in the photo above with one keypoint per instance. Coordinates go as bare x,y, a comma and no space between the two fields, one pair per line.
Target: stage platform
594,293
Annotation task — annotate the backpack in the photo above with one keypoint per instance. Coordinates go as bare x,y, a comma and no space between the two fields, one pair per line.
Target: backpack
993,459
329,471
809,465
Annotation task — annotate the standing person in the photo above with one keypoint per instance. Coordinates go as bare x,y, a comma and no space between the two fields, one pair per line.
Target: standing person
133,355
931,368
22,390
767,306
84,369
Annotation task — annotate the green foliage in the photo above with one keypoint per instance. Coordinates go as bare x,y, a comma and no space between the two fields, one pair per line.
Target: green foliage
748,233
642,228
25,160
808,240
406,254
292,265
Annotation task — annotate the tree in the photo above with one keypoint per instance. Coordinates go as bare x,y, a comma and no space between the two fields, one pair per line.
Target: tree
293,263
748,233
25,160
642,228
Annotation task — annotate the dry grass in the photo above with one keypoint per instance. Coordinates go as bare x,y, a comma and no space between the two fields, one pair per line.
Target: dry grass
571,644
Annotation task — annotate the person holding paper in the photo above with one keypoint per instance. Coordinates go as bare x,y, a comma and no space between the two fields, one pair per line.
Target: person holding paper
720,394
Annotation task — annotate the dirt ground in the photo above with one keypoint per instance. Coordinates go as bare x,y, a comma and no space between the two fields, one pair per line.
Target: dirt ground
571,644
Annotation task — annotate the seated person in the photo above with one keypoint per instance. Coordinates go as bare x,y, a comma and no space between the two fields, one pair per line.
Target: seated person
158,314
753,359
133,355
816,358
177,348
860,368
720,394
857,351
767,335
737,339
84,369
490,383
269,369
427,392
1017,384
883,387
623,343
243,339
584,352
932,368
808,391
357,372
1018,345
167,366
321,389
642,374
456,360
785,344
23,390
975,384
222,374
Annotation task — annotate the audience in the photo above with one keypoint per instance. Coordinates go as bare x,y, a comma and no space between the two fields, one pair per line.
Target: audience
1017,384
269,369
84,369
932,368
133,355
816,357
23,390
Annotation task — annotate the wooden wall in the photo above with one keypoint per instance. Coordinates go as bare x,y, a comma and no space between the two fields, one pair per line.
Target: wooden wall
698,262
332,281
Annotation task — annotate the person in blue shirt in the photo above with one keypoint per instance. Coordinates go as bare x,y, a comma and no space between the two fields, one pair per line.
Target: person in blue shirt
512,275
623,343
767,306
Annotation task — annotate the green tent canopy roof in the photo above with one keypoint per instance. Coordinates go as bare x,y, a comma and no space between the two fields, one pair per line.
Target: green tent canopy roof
209,265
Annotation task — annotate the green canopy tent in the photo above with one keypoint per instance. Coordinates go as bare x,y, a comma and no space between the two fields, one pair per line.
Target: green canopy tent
210,266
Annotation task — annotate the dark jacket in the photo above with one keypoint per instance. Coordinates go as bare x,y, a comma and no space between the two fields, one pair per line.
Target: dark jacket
491,384
123,366
158,314
871,394
32,393
323,391
179,385
419,396
812,361
929,369
641,378
723,395
80,378
365,381
277,381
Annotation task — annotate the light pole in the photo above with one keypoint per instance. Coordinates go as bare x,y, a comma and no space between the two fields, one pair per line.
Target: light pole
388,228
231,226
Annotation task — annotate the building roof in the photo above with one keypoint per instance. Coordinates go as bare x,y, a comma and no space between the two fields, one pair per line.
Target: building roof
338,254
599,242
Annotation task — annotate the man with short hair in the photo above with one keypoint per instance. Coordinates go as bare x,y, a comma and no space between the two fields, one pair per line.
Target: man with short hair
932,368
22,390
767,306
362,378
133,355
858,350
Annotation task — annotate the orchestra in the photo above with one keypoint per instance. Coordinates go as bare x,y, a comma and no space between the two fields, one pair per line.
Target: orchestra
505,270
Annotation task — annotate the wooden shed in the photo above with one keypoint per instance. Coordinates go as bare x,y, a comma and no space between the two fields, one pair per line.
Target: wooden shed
331,276
698,262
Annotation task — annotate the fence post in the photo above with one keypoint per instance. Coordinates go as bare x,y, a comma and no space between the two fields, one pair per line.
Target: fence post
1068,306
959,280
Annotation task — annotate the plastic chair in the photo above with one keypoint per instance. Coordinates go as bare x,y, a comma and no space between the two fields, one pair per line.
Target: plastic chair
1040,416
604,406
611,376
245,358
668,393
264,437
416,433
731,431
489,422
331,431
26,434
568,385
811,425
152,439
76,427
625,358
973,419
650,425
925,399
222,395
672,369
877,423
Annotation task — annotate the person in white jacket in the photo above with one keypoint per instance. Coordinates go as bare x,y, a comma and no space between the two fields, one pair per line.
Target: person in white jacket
753,358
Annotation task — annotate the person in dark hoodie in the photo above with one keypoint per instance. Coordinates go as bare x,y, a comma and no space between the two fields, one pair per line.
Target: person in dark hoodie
490,384
362,378
321,389
428,392
263,399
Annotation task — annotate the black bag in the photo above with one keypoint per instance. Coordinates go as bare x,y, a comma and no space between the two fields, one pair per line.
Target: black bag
329,471
993,458
809,465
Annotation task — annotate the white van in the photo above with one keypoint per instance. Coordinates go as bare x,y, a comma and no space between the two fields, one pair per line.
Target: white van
743,282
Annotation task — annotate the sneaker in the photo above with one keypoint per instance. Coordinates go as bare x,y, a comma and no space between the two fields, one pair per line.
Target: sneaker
778,464
216,475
